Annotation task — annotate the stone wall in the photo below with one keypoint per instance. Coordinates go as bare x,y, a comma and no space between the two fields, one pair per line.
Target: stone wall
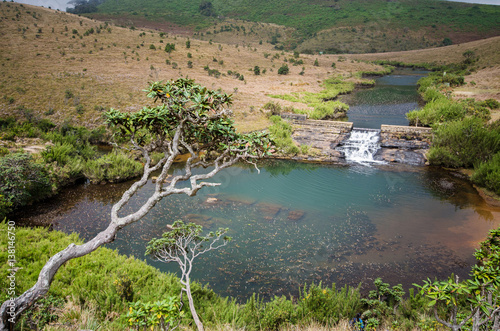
406,129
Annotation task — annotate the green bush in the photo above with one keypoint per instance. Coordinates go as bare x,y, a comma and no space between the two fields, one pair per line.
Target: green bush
437,111
283,70
463,144
281,132
278,312
24,181
490,103
113,167
328,306
487,174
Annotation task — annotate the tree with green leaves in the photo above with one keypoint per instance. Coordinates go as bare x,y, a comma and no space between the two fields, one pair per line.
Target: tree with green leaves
191,120
182,244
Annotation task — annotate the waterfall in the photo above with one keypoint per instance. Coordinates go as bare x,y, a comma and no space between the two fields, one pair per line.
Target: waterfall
361,145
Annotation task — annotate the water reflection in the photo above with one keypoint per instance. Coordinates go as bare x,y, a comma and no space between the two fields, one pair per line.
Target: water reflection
298,223
388,102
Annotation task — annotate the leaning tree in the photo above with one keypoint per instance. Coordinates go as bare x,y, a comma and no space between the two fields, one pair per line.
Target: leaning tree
191,120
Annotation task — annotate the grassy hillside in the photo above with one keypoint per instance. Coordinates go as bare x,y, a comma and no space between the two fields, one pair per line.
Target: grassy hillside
69,69
336,26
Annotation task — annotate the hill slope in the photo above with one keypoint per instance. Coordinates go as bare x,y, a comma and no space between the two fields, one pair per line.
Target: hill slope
69,68
335,26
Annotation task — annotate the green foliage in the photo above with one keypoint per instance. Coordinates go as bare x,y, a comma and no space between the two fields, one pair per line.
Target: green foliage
382,302
273,108
323,103
278,312
490,103
212,132
283,70
183,239
308,18
24,181
43,312
206,9
113,167
256,70
163,314
487,174
327,306
447,42
169,47
281,133
463,144
440,109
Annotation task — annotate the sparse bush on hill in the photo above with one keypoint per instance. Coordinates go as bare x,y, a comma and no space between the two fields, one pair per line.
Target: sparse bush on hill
169,47
283,70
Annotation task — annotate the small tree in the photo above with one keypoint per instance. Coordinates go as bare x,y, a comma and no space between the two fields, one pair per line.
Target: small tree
183,244
283,70
256,70
169,47
191,120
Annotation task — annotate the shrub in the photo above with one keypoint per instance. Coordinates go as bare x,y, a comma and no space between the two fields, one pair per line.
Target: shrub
487,174
328,306
437,111
274,108
278,312
24,181
463,144
490,103
281,132
113,167
169,47
283,70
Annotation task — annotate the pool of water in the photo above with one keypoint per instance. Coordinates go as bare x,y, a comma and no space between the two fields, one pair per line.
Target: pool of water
388,102
300,223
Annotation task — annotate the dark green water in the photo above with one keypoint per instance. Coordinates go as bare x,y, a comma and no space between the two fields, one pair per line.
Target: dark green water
297,223
393,96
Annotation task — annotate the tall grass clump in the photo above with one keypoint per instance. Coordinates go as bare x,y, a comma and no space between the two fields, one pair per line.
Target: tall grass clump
281,132
113,167
487,174
441,110
463,143
327,306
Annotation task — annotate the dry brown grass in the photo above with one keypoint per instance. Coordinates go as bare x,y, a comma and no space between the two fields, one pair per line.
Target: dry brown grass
109,69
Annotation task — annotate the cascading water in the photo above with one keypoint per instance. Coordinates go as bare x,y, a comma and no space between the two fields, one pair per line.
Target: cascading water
361,145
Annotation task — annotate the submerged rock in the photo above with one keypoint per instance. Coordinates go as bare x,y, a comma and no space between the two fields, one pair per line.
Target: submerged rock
295,215
268,209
